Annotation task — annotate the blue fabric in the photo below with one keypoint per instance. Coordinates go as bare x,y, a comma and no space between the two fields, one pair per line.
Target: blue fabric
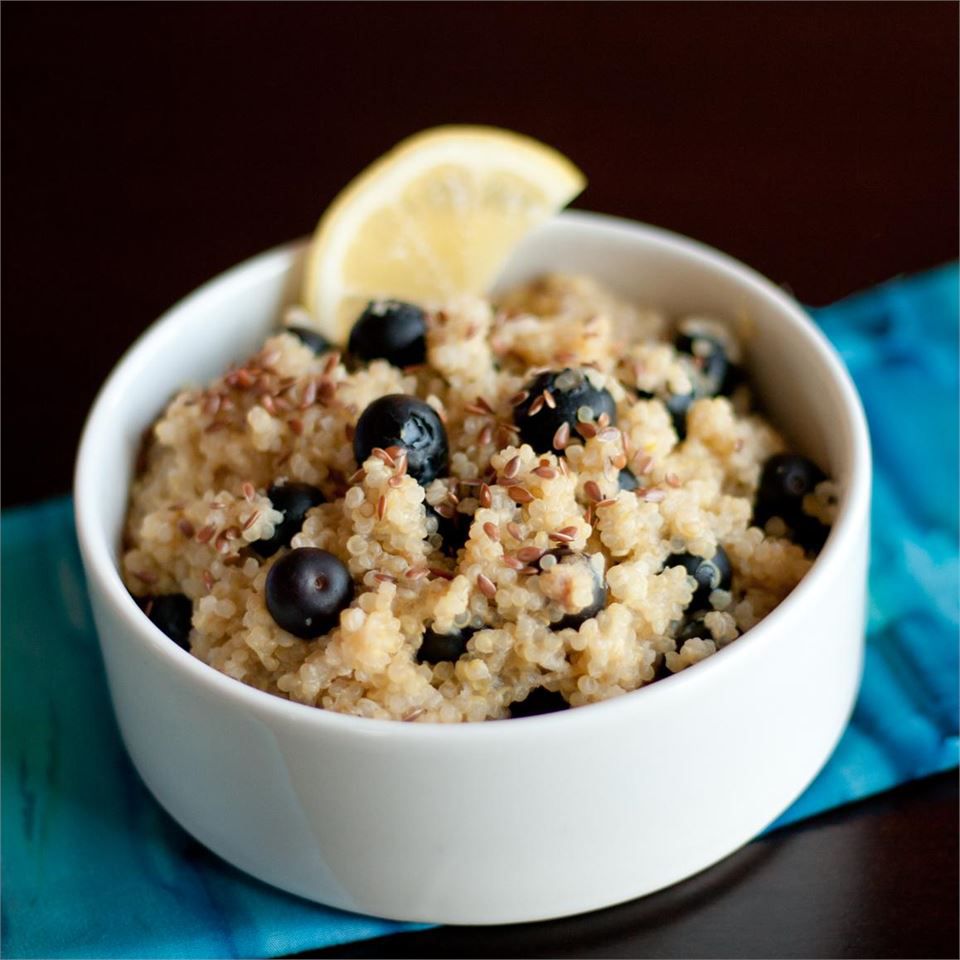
92,867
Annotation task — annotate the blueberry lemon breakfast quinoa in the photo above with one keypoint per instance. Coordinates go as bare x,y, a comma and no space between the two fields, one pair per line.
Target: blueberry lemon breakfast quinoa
477,510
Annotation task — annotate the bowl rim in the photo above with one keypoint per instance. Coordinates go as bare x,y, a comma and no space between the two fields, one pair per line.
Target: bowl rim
853,505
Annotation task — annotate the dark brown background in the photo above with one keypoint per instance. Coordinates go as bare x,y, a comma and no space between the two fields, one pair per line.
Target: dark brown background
149,146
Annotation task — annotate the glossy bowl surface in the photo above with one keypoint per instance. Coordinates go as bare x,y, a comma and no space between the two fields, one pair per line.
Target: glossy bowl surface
516,820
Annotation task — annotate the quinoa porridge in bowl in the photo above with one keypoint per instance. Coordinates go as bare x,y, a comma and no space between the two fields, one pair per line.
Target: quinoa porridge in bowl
623,473
475,509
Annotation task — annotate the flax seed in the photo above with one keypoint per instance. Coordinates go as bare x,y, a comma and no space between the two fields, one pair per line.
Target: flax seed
642,462
530,554
309,395
545,473
520,494
205,533
486,586
484,496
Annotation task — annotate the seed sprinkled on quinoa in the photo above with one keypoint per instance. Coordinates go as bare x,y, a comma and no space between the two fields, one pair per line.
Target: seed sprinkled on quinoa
486,586
520,494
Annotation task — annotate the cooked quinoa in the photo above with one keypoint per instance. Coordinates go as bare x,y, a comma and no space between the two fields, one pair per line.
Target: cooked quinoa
549,535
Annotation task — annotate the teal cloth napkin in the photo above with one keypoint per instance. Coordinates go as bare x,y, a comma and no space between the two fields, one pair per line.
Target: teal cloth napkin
92,867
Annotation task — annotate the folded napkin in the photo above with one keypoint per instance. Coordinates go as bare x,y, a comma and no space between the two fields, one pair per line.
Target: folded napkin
92,867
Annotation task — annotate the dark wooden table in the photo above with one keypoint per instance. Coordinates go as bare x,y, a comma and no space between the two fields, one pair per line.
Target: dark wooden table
147,147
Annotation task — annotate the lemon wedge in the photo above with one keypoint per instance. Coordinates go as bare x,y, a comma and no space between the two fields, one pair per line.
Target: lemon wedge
436,216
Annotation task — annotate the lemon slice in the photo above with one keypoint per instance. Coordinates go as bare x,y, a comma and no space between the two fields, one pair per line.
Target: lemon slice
436,216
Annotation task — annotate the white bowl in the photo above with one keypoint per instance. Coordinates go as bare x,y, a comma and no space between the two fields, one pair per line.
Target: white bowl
508,821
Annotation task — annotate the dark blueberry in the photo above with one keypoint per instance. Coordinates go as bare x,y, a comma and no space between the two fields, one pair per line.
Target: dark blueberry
809,533
438,647
390,330
677,405
397,420
171,613
306,590
786,479
734,377
575,620
317,342
693,627
293,500
710,358
662,671
453,530
627,480
540,700
570,390
712,574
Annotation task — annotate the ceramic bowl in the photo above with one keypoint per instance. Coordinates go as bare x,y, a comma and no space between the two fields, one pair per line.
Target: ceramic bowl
505,821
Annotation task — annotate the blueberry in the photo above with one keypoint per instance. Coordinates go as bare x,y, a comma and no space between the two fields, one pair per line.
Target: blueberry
571,391
317,342
575,620
390,330
786,479
293,500
453,530
439,647
627,480
677,405
172,613
710,358
661,671
693,627
735,376
810,533
306,590
540,700
397,420
712,574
